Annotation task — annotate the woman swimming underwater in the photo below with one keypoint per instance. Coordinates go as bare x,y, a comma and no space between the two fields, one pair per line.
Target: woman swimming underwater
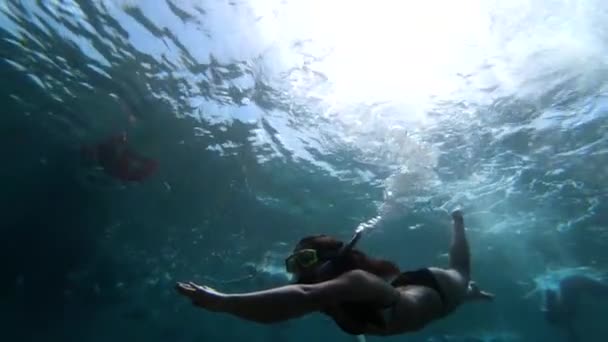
362,295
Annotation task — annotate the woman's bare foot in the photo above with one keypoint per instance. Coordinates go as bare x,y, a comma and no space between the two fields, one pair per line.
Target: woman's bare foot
201,296
457,216
475,293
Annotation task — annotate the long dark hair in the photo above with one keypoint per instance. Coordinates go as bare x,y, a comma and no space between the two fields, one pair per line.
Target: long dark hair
353,260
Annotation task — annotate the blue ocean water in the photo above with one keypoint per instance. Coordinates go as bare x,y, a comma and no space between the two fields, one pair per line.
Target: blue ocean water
270,120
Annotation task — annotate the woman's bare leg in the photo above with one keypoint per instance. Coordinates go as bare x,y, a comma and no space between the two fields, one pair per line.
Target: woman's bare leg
287,302
460,257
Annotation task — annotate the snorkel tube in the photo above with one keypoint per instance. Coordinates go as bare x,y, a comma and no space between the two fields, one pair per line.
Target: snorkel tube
327,269
351,244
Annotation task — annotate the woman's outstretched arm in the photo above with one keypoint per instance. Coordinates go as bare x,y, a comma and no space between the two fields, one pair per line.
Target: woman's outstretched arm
292,301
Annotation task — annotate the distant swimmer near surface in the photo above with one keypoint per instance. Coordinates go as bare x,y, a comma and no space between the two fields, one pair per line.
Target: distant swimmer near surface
362,295
561,305
118,160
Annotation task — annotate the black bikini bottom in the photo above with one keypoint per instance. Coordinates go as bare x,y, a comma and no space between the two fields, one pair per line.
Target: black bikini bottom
422,277
362,314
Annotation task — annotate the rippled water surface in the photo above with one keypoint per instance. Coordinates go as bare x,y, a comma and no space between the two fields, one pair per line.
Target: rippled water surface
269,120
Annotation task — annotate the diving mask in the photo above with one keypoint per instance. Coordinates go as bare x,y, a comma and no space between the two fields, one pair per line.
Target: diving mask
302,259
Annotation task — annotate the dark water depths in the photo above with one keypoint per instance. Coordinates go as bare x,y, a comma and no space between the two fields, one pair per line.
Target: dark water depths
271,120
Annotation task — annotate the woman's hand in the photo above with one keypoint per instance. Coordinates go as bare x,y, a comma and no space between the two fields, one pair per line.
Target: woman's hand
201,296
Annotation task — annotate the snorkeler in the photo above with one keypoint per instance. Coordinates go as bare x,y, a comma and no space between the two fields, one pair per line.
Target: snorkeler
119,160
362,295
561,304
